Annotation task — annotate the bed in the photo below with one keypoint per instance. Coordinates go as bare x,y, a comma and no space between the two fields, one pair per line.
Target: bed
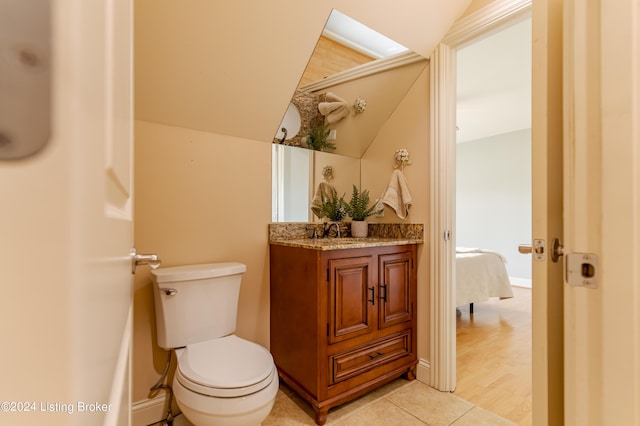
480,274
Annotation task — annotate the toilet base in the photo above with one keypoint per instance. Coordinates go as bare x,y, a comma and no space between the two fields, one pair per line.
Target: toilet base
204,410
254,418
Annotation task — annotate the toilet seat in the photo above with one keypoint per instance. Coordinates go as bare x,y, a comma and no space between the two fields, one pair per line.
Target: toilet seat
225,367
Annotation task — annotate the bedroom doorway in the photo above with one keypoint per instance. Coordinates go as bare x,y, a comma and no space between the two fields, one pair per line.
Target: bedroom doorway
493,145
493,217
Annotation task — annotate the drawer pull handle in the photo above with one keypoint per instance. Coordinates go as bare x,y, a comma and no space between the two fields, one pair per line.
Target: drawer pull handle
372,300
383,291
377,355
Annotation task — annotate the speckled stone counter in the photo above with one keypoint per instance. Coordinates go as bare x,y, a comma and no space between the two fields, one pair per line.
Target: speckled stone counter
380,234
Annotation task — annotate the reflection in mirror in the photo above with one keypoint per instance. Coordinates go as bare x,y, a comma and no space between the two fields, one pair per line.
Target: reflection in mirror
344,44
291,180
290,124
297,175
353,82
357,86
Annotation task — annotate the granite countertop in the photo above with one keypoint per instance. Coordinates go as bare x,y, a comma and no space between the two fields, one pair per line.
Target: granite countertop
343,243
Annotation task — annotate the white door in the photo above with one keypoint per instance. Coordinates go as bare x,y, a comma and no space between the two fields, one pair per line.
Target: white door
66,228
602,211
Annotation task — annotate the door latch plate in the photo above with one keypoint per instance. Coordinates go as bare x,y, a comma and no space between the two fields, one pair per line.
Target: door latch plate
582,270
539,250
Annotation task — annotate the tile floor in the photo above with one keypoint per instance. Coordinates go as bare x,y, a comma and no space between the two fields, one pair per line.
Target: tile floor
399,403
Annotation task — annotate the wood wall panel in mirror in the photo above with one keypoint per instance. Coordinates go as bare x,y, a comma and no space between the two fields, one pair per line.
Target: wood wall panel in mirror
331,57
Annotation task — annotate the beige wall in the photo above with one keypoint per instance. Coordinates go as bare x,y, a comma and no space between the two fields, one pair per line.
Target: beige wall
203,193
208,65
408,128
200,197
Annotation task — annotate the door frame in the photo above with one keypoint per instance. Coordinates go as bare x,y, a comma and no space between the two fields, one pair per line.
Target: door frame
442,345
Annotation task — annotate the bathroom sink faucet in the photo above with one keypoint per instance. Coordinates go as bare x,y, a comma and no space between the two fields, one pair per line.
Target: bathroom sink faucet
328,228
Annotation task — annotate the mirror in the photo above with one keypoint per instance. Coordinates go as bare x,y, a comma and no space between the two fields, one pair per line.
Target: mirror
290,125
296,173
351,63
353,82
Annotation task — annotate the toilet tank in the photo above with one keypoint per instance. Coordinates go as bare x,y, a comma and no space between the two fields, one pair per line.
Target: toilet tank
195,303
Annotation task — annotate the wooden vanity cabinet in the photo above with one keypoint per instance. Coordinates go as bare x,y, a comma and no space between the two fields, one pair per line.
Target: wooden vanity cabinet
343,322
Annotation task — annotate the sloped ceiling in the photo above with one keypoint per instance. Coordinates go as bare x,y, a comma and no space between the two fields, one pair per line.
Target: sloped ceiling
231,67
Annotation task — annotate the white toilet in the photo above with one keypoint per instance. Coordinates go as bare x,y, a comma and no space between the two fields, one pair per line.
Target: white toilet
221,379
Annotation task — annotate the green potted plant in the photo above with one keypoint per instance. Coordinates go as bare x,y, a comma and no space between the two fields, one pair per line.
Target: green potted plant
318,135
359,210
333,208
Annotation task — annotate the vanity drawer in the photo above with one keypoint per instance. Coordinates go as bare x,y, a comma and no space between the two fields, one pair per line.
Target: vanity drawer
352,363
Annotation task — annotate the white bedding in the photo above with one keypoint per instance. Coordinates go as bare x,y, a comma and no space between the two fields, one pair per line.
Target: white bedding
480,274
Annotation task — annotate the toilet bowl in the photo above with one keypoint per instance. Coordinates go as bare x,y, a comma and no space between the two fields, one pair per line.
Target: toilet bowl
220,379
226,381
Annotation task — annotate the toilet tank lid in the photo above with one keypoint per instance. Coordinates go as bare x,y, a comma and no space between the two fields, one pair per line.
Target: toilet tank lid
197,272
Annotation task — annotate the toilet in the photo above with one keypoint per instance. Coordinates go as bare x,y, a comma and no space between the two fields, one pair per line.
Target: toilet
220,379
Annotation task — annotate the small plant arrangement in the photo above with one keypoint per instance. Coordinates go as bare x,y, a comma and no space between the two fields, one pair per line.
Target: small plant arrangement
317,137
358,207
333,208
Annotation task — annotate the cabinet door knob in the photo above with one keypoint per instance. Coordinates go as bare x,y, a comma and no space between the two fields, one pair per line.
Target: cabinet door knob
372,300
383,293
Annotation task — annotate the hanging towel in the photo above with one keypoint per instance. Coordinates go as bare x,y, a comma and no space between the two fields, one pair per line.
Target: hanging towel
397,195
333,109
324,192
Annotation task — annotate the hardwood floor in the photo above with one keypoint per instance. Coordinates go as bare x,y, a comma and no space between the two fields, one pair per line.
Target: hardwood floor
494,356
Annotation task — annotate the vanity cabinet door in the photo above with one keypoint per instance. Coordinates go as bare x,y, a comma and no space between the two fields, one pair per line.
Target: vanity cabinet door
352,298
396,300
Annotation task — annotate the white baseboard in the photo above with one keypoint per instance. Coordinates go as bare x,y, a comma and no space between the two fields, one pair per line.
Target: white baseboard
520,282
423,371
149,411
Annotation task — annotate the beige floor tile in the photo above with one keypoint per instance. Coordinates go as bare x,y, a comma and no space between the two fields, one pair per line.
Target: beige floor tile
286,412
398,403
429,405
290,409
337,413
380,413
480,417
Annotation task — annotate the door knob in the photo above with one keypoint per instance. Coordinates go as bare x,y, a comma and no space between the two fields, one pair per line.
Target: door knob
557,250
537,249
143,259
524,248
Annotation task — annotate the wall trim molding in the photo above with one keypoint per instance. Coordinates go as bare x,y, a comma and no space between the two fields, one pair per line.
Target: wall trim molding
370,68
149,411
423,371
